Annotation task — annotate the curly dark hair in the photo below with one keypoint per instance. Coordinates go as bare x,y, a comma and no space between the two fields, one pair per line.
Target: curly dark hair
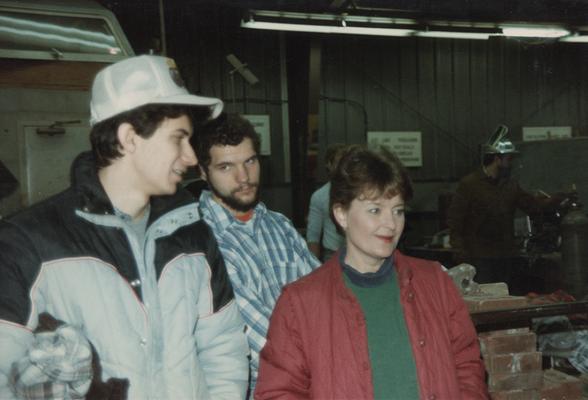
145,120
365,173
226,130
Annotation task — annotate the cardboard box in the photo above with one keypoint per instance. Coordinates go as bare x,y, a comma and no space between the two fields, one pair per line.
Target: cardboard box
500,343
492,303
560,386
494,289
517,394
513,362
522,381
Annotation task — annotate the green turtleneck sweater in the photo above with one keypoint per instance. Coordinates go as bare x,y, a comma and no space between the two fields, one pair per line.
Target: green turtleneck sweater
393,367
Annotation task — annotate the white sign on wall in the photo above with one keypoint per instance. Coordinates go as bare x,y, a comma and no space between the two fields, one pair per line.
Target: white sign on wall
531,133
261,123
406,145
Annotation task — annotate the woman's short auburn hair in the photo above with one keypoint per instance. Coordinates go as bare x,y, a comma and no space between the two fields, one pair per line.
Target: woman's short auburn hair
364,173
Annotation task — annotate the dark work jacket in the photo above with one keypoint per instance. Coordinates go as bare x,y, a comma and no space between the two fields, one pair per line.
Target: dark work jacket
481,216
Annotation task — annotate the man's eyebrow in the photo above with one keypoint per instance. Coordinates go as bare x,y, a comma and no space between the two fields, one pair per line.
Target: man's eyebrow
184,132
223,163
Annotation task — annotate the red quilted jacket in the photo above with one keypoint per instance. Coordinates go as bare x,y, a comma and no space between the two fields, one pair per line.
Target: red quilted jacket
317,341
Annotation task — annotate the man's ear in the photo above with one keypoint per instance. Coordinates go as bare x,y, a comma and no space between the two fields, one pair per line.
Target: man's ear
203,174
340,215
126,138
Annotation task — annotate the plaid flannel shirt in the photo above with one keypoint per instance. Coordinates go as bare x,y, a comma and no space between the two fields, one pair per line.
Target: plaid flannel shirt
262,255
58,365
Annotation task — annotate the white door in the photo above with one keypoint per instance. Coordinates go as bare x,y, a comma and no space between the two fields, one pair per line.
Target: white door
47,159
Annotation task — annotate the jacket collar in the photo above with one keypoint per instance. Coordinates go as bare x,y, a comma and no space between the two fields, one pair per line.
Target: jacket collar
84,179
403,265
220,218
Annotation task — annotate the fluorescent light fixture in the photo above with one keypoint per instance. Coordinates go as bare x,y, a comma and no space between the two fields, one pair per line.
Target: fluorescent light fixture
328,23
577,38
386,26
280,26
454,35
280,16
365,25
534,31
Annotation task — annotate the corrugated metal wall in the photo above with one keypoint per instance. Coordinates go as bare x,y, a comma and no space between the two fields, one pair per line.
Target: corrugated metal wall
454,91
200,40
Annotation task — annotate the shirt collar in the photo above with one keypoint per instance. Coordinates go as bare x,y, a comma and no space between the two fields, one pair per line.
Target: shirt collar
222,218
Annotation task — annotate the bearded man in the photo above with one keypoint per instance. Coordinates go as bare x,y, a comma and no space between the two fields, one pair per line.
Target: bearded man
261,248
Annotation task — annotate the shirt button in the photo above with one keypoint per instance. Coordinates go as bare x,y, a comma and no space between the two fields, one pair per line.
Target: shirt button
410,296
143,342
432,397
422,344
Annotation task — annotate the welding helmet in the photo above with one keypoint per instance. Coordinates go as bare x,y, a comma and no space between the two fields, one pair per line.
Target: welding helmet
498,143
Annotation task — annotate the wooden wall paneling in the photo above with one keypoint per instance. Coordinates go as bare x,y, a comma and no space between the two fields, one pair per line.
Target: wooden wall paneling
37,74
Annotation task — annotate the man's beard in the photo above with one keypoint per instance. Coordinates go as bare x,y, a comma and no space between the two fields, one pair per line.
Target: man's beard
504,173
233,202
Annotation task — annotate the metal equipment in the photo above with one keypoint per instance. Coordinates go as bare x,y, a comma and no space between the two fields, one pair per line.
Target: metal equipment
498,143
574,249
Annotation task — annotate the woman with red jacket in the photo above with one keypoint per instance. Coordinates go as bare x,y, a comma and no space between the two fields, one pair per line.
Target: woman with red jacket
371,323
